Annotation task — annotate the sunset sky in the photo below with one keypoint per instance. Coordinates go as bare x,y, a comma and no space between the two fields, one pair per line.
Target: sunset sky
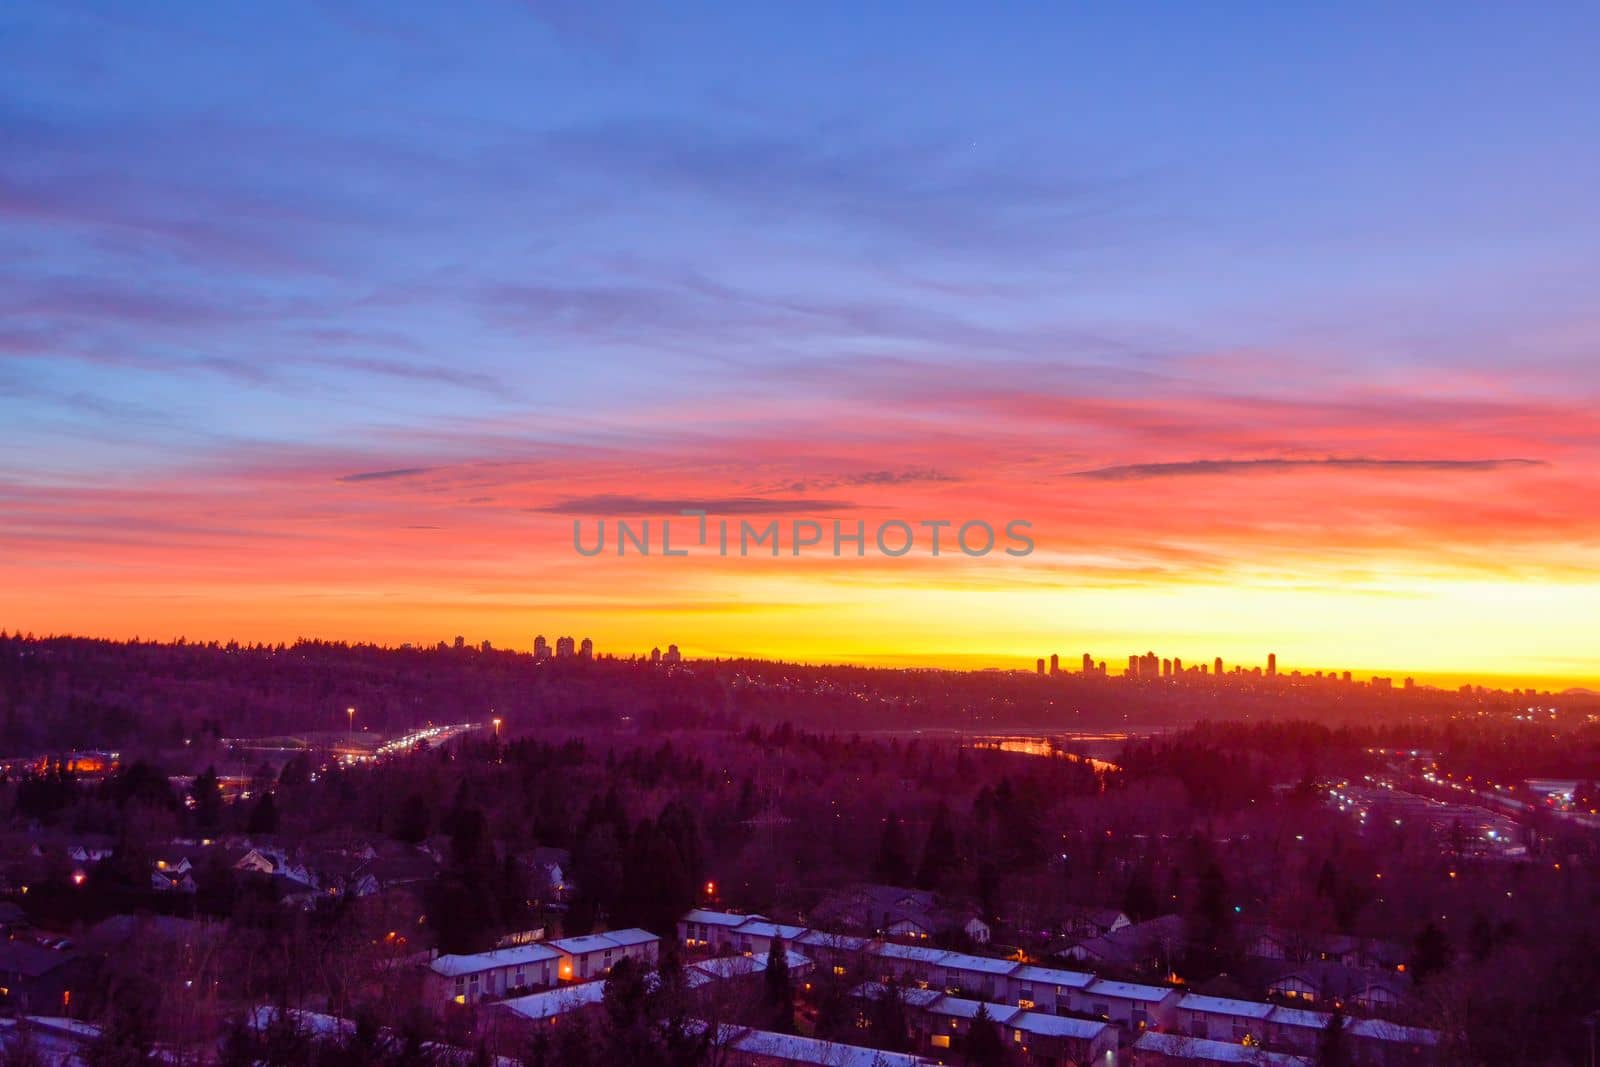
1281,326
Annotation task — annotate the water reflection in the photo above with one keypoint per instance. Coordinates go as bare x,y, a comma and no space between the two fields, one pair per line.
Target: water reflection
1054,748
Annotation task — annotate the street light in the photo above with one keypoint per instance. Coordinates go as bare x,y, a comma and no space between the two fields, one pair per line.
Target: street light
352,713
497,729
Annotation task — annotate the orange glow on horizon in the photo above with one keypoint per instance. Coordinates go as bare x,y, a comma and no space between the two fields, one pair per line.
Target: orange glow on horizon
1480,572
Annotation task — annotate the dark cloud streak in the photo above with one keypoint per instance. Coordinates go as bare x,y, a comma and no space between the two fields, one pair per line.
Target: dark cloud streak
621,504
1200,467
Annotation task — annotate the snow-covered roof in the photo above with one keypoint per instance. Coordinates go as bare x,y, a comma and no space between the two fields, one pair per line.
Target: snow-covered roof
766,928
1052,976
1243,1009
517,955
837,942
1193,1048
793,1049
960,1008
718,918
913,952
1105,987
1304,1017
725,967
1383,1030
960,961
915,997
631,935
555,1002
1045,1025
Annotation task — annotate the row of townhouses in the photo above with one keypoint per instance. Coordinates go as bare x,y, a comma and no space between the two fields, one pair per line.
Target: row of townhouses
935,980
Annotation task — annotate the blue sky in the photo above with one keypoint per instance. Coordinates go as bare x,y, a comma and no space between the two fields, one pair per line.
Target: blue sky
323,238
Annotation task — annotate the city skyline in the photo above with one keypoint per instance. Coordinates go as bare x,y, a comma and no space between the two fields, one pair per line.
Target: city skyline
1274,326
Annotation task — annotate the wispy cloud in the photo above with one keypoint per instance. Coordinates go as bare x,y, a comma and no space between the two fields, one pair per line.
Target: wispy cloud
870,479
622,504
384,476
1195,467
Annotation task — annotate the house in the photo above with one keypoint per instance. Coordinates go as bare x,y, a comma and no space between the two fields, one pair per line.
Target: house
1390,1043
763,1048
1056,1041
1133,1007
1271,944
757,935
949,1020
39,978
1296,1029
172,881
1083,923
90,851
593,955
394,869
552,1004
1335,983
277,864
1223,1019
1277,943
256,862
910,963
470,978
548,873
1044,989
1180,1050
1148,946
711,930
981,977
899,912
173,863
728,968
839,953
46,1039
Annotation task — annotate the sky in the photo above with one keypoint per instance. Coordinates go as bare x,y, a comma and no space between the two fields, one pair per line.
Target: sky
1276,323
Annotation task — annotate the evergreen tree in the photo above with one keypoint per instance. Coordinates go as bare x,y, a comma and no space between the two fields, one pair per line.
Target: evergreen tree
1431,953
264,816
939,852
985,1047
894,862
413,821
1333,1047
207,794
779,988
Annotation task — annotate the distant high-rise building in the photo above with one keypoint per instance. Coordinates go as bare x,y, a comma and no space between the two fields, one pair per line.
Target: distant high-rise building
1216,666
1101,669
1040,667
1151,667
1088,663
461,642
672,655
1055,663
486,646
541,648
1411,683
1166,668
1272,663
1133,666
586,650
1347,676
655,655
565,646
1177,665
